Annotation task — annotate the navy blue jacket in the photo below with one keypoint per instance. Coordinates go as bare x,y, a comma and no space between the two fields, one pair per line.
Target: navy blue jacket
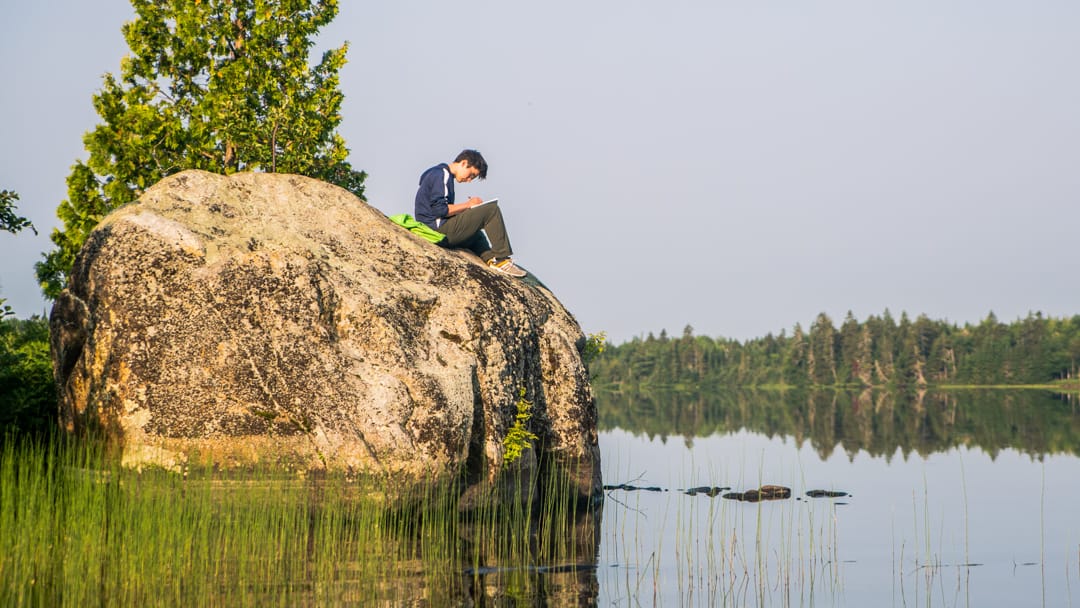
435,193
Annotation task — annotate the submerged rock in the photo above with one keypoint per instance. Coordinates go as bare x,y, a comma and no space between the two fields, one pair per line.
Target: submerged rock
826,493
277,318
710,491
633,488
766,492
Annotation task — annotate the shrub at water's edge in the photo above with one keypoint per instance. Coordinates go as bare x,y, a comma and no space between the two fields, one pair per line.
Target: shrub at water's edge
27,389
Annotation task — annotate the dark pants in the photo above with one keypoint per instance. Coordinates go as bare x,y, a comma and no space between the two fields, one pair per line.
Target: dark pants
463,230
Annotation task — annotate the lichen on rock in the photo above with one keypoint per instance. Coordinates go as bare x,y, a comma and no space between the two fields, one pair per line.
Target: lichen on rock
277,318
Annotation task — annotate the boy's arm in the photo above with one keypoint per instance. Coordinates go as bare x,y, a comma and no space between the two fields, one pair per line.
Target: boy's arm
458,208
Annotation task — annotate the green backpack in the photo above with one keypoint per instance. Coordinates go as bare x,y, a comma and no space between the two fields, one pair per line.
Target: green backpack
419,228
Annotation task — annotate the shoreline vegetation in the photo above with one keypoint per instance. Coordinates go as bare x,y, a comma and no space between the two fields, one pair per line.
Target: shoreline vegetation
1035,352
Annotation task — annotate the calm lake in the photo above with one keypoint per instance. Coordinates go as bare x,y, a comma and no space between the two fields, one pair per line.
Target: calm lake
951,499
964,498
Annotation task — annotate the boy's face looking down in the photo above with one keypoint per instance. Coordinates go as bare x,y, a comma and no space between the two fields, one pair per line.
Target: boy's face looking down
463,173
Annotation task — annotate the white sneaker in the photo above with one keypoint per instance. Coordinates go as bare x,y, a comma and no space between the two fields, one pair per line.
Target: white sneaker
506,266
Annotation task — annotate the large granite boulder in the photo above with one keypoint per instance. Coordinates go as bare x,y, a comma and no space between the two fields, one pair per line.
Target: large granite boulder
276,318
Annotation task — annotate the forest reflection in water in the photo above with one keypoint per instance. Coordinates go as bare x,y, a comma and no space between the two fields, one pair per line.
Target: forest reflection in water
957,498
879,422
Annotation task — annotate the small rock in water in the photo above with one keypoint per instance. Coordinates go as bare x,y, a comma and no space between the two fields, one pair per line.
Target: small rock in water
629,488
766,492
826,493
707,490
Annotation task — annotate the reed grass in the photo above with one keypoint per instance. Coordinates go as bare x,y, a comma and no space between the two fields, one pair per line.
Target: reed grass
697,550
79,530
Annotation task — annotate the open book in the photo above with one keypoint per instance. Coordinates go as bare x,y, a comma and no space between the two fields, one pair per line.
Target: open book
494,200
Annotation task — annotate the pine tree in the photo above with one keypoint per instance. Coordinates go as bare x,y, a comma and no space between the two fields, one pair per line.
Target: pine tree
906,360
218,85
823,350
797,366
849,367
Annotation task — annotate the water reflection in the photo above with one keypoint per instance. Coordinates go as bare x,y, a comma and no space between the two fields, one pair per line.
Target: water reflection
561,573
551,561
960,498
763,499
881,423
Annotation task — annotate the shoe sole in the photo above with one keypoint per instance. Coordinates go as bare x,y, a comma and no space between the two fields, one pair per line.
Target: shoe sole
509,274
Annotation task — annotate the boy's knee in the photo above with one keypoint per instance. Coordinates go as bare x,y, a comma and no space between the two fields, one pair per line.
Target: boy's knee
487,210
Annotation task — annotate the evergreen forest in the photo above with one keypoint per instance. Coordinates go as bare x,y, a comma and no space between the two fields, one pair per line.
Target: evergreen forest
878,352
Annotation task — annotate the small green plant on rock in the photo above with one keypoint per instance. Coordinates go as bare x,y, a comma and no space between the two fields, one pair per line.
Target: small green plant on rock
518,438
594,346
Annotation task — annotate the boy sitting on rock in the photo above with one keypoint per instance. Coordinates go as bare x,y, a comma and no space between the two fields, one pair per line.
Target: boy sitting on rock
465,223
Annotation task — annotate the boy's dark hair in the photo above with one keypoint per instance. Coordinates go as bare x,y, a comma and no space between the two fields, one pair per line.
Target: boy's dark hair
474,160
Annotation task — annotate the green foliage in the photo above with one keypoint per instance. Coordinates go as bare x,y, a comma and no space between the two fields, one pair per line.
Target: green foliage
876,353
27,390
217,85
518,438
10,222
594,346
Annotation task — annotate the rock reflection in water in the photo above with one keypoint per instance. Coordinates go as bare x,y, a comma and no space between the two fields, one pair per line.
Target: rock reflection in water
568,578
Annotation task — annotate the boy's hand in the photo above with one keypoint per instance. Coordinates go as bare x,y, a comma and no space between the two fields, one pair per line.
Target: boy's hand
457,208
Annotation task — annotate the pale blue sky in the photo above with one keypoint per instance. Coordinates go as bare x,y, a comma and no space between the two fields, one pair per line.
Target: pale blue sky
735,166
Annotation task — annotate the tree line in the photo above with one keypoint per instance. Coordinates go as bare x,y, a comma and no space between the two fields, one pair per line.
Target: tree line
878,352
